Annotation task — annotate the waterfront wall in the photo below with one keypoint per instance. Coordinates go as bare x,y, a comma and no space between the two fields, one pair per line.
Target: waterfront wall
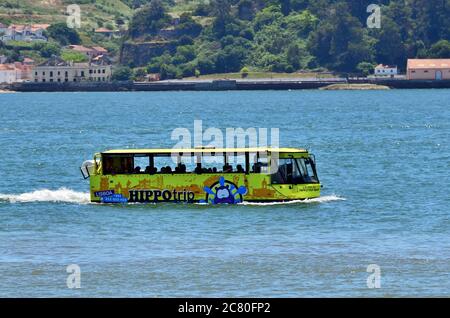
216,85
176,85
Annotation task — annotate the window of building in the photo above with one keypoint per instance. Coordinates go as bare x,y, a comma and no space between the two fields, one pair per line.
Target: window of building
43,73
51,80
67,74
43,80
51,74
426,71
104,71
82,73
36,73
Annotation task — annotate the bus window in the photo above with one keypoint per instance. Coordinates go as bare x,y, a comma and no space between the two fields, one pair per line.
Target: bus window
239,163
141,164
118,165
165,165
260,164
295,171
212,164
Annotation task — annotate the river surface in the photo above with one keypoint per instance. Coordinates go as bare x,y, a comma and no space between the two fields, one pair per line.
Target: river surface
383,158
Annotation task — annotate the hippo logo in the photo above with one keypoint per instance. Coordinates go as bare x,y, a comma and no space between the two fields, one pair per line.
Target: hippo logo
224,192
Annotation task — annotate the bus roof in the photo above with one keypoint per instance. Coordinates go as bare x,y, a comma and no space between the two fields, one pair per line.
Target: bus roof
201,150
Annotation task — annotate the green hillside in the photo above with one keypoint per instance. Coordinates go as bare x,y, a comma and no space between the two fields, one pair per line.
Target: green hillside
179,38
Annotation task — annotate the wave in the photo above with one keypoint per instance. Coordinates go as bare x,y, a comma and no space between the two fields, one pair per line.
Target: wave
64,195
324,199
46,195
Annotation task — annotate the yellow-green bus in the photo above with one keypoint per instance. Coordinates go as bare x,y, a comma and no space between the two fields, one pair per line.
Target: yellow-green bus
202,175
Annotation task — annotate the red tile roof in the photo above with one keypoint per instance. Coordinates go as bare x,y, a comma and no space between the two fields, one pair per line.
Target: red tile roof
428,63
7,67
100,49
80,48
103,30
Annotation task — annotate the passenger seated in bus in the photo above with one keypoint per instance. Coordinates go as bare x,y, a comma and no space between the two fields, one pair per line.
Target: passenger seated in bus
198,169
239,169
137,169
227,168
181,168
148,170
127,164
108,167
289,171
214,170
257,167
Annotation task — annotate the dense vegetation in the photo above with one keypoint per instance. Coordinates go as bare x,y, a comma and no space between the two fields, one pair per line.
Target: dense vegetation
220,36
289,35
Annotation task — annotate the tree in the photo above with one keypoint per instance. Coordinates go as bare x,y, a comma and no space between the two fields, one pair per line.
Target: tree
207,64
63,34
440,49
245,10
340,42
188,26
47,49
293,56
222,14
168,72
148,20
366,68
285,7
389,47
244,72
123,73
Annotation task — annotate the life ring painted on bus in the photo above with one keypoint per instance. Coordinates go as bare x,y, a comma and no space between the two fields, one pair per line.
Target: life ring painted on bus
224,192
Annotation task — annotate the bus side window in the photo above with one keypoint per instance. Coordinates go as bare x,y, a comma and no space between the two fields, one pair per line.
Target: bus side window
126,166
108,167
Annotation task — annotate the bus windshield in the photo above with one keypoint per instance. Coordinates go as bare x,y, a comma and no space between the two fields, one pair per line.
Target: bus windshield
295,171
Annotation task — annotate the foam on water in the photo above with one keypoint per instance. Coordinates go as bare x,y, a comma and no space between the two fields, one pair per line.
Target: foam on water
46,195
324,199
69,196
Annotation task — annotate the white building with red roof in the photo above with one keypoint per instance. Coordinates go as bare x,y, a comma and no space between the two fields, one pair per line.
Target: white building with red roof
386,70
27,33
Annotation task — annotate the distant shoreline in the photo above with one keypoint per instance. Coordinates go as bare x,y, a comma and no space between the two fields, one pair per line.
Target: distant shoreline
229,84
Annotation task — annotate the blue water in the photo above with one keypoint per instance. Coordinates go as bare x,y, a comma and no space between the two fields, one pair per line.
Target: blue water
383,158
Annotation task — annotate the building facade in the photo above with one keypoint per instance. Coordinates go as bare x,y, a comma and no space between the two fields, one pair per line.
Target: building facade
89,52
15,72
24,71
56,70
27,33
386,70
428,69
7,74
